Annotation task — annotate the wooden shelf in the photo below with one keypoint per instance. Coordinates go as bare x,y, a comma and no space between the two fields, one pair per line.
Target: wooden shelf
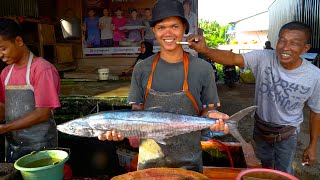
40,39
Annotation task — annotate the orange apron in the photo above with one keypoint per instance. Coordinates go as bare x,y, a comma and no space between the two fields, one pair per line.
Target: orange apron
183,151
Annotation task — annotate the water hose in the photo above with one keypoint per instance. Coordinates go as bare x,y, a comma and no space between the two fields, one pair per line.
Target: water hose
225,148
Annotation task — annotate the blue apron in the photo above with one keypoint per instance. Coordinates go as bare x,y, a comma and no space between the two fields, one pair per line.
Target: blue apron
19,101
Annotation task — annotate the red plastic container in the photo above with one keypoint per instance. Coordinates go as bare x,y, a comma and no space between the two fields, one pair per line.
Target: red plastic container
263,173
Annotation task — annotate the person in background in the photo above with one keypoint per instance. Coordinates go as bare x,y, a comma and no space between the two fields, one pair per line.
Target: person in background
106,29
285,83
190,16
29,92
117,22
146,50
91,29
148,33
134,34
170,81
268,45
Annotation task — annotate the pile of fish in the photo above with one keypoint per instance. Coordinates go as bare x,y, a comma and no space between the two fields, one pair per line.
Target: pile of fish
146,124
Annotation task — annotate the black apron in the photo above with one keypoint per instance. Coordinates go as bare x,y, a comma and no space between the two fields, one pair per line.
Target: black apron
183,151
20,101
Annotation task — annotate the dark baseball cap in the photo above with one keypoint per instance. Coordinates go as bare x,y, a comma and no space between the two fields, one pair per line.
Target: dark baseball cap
168,8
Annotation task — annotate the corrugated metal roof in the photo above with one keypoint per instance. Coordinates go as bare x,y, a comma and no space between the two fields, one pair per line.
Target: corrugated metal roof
312,18
257,22
284,11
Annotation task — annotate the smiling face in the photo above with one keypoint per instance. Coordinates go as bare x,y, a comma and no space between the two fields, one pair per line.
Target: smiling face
168,32
142,48
118,13
291,44
91,13
105,12
134,14
11,51
147,13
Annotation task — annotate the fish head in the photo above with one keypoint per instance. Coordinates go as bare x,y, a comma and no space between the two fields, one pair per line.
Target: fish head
78,128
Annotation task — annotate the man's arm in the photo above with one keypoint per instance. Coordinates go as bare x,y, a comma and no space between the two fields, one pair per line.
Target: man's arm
310,153
219,56
37,116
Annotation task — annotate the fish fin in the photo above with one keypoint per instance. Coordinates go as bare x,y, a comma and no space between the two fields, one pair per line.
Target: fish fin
242,113
160,141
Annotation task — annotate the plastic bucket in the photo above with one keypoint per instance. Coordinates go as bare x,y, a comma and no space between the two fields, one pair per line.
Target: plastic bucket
47,164
103,73
71,27
261,173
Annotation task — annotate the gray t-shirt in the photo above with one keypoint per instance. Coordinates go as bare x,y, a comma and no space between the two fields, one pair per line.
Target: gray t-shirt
168,77
279,93
106,32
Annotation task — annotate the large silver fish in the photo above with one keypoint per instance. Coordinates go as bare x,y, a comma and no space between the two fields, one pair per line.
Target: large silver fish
145,124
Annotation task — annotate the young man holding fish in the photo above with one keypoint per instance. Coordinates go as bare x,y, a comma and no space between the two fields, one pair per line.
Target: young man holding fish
173,81
285,82
29,91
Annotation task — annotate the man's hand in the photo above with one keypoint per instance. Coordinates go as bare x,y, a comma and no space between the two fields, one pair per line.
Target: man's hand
200,45
219,124
310,155
111,136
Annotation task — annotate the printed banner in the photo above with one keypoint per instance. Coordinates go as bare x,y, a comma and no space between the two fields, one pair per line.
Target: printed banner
124,50
119,26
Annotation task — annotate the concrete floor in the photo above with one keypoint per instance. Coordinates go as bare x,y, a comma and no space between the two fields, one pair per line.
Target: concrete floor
232,100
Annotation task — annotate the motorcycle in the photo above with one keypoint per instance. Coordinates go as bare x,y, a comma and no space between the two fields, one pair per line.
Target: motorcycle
230,75
213,64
